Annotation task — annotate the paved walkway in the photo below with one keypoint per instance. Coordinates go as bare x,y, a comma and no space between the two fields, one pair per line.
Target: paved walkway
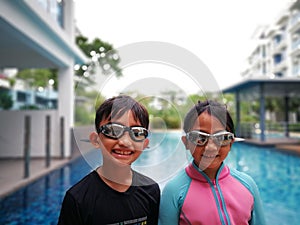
12,172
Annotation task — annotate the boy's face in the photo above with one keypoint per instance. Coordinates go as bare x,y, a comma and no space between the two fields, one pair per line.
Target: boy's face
123,150
210,155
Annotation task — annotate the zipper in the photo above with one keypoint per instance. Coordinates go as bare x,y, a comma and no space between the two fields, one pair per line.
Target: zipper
214,184
219,200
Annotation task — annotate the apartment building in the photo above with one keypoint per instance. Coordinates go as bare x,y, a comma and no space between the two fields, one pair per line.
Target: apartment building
277,50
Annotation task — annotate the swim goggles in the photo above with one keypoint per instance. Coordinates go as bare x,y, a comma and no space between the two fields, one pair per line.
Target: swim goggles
199,138
116,131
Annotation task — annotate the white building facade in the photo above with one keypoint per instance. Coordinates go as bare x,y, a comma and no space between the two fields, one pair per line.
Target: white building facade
39,34
277,51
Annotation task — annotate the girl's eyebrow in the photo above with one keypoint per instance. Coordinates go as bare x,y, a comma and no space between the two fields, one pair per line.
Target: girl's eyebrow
219,131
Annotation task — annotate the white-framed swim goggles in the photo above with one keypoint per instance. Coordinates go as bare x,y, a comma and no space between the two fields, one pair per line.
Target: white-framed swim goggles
200,138
116,131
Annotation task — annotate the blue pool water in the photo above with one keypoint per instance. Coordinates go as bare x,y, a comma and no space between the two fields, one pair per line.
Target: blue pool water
276,173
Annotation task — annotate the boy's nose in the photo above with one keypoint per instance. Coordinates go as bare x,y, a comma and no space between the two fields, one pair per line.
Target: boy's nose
125,140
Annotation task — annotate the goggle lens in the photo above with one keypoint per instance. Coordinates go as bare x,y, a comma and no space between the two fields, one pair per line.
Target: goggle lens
200,138
116,131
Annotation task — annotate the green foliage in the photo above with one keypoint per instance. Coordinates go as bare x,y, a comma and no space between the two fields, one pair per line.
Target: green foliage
195,98
85,111
294,104
29,107
12,81
108,62
82,116
157,123
172,122
6,101
294,127
102,54
99,100
38,77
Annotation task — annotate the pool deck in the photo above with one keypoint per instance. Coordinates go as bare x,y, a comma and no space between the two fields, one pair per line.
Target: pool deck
284,144
12,172
12,169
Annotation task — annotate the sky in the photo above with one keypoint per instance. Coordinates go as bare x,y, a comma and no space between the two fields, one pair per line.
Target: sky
219,33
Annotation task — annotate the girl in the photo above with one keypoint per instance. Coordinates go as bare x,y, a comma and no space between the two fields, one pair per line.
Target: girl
207,192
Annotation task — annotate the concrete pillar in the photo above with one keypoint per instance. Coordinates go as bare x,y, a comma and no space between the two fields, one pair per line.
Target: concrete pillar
65,86
66,103
262,112
238,113
68,17
286,117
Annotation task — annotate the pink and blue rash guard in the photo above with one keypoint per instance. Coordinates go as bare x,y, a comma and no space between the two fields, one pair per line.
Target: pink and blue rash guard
192,198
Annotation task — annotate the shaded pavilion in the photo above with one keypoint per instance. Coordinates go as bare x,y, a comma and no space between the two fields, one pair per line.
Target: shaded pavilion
260,88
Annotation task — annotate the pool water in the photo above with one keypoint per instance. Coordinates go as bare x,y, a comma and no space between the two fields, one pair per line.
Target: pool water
276,173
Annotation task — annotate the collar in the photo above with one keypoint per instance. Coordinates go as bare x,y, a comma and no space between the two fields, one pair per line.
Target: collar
195,173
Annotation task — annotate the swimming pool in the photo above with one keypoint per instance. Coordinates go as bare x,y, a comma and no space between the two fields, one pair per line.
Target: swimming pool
276,173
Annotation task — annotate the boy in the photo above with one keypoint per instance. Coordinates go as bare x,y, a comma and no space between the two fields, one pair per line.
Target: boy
114,193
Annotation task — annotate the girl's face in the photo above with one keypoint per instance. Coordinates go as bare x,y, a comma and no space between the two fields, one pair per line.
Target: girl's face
209,156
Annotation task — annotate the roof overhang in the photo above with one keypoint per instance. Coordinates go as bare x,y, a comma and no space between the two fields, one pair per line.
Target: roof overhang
282,87
31,39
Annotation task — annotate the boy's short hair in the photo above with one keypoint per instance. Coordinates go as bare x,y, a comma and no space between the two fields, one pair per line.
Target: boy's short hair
213,108
115,107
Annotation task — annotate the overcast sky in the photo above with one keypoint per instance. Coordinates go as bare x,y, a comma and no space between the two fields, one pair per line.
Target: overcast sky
218,32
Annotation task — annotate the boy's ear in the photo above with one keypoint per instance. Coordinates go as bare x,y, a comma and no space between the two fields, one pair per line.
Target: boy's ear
94,139
184,141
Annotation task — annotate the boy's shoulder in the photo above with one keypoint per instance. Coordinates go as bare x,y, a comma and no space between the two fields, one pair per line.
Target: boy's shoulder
85,183
140,179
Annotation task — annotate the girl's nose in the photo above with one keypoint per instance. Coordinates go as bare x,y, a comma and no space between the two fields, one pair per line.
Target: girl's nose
211,145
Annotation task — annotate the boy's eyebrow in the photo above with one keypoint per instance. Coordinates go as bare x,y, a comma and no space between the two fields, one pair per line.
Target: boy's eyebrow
136,125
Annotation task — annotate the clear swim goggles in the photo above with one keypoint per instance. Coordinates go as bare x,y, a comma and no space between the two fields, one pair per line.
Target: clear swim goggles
199,138
116,131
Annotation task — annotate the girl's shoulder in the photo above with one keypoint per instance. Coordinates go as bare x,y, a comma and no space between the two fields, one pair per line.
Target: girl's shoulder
178,183
245,179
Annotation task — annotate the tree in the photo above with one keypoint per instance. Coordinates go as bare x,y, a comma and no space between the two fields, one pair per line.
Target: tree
6,101
101,53
38,77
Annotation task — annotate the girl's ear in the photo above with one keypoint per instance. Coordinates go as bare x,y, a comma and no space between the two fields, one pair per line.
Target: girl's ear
94,139
146,143
185,142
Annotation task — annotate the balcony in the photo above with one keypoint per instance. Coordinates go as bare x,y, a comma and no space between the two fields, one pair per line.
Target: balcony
279,67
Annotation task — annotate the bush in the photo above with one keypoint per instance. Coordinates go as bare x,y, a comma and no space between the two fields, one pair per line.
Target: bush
6,101
83,116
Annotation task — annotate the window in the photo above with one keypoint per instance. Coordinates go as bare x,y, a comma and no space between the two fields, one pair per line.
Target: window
277,58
